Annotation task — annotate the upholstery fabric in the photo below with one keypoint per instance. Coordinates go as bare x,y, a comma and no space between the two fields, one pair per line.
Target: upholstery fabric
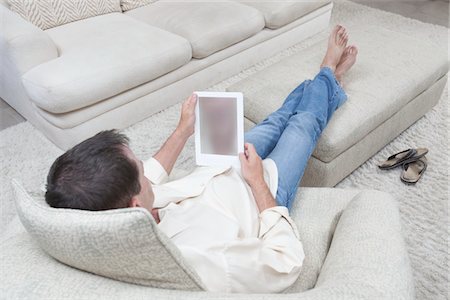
123,244
208,26
101,57
199,73
132,4
376,90
47,14
281,12
372,223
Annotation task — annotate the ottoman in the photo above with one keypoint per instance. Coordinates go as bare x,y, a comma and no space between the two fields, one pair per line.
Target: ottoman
394,82
352,240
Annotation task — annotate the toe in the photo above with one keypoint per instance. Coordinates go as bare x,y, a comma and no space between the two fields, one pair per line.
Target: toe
339,36
335,30
348,50
343,40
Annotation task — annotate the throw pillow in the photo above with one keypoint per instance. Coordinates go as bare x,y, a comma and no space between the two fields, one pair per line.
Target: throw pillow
46,14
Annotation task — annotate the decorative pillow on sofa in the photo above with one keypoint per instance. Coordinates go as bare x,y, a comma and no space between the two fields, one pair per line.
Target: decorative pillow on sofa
132,4
123,244
46,14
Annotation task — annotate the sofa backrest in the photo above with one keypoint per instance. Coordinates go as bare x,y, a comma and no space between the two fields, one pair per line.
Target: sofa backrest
46,14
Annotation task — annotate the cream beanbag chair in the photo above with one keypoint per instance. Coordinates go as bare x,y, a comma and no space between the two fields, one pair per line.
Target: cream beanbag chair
352,241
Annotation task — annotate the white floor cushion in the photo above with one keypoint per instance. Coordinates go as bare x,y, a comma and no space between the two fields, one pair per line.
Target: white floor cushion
278,13
209,26
101,57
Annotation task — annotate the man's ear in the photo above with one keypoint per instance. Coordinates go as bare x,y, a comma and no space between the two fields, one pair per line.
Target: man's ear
134,202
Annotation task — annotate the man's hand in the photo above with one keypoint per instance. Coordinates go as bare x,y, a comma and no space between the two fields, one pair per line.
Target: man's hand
251,165
252,170
186,126
172,148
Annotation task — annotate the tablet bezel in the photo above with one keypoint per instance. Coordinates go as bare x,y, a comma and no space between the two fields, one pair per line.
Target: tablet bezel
203,159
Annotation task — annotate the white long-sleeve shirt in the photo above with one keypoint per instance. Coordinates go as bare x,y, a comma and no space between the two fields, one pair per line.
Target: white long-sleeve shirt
212,217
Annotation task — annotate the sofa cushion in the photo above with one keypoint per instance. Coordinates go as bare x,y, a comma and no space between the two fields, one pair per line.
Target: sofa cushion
123,244
391,70
47,14
208,26
101,57
278,13
132,4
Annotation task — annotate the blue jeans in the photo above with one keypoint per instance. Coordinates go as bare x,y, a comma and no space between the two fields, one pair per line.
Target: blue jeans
289,135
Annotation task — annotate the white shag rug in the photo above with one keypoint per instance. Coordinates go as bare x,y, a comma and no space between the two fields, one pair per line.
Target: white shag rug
27,155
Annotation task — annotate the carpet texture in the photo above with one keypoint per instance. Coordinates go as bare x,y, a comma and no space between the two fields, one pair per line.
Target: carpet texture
26,154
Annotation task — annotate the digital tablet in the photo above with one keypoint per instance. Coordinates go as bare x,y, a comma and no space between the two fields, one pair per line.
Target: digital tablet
219,128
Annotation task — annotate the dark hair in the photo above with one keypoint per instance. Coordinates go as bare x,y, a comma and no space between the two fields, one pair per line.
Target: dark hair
94,175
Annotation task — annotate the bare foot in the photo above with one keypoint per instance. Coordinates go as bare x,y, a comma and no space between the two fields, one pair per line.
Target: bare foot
347,60
336,46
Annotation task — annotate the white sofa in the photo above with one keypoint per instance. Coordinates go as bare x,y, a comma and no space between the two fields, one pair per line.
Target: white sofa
115,69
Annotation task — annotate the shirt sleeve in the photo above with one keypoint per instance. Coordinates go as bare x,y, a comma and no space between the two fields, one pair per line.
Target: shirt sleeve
267,264
155,172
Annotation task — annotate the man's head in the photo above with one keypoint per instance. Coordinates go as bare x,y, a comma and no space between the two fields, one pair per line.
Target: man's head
98,174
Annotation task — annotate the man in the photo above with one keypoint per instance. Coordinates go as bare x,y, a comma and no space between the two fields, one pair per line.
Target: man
232,227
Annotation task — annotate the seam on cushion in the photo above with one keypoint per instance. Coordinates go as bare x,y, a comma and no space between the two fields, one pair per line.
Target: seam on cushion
207,36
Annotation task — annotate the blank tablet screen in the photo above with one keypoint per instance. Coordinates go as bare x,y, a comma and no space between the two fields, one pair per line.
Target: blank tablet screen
218,126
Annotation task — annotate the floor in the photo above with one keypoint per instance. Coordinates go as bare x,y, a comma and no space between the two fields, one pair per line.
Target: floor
430,11
8,116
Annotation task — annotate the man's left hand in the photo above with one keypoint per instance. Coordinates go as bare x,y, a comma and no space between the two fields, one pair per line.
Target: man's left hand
186,126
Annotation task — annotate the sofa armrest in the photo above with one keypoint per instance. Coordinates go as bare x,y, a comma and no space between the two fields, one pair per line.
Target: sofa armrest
23,44
367,257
